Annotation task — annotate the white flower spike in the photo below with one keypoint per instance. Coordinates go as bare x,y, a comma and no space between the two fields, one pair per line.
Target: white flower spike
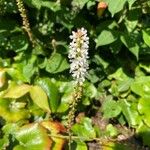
78,55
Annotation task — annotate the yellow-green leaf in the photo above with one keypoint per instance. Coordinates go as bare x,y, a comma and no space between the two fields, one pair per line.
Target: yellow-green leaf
39,97
17,91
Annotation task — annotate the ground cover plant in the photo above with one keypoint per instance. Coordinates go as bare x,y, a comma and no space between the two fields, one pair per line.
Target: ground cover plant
74,74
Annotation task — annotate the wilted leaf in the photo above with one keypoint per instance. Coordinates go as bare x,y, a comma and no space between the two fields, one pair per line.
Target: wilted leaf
55,128
32,136
39,97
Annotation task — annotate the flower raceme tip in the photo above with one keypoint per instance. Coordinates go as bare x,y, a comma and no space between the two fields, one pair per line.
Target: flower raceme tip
78,55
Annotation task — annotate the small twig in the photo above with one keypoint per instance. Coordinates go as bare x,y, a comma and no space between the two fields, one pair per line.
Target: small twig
101,140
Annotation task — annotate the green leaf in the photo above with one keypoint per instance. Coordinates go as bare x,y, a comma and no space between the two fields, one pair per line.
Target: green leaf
131,2
51,91
81,145
54,6
57,63
130,112
31,137
111,108
39,97
90,90
4,142
144,109
84,130
131,20
146,37
145,66
115,6
118,75
106,37
17,91
144,132
141,86
131,43
112,130
79,4
18,43
35,3
125,85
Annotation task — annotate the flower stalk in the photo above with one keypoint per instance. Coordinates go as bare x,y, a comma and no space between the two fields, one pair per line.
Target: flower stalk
26,24
78,57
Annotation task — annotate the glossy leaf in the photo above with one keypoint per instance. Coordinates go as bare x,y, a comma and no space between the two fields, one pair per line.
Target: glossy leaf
39,97
52,92
32,136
